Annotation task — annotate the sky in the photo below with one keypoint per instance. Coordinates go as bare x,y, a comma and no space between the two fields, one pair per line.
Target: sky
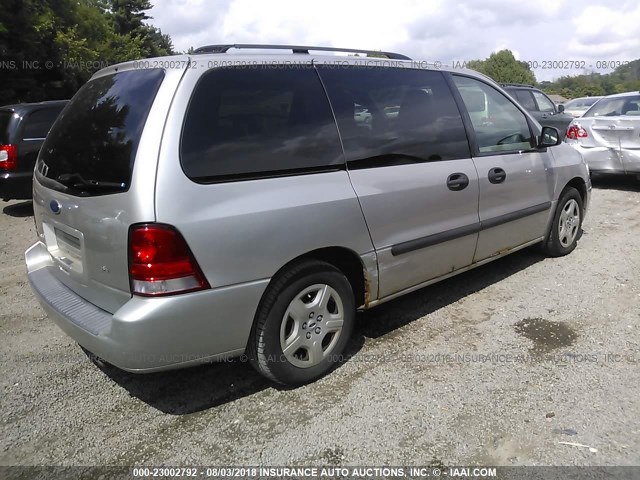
550,34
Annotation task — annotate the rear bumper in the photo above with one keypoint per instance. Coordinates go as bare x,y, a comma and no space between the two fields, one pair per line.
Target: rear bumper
610,160
15,185
150,334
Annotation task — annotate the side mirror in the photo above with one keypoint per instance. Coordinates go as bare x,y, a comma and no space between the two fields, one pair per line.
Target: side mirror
560,108
549,137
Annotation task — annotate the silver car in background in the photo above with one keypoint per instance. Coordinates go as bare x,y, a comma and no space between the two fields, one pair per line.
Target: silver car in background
608,134
578,106
197,208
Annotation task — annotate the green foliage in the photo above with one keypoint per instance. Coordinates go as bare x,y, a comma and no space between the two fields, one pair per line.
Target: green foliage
503,67
128,15
625,78
49,48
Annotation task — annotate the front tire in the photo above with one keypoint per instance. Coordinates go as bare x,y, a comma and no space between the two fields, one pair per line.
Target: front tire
304,324
567,224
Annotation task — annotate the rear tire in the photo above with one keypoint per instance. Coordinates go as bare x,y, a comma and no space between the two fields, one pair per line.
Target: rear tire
567,224
303,325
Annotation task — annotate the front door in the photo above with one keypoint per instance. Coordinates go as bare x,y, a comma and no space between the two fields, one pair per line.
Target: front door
515,188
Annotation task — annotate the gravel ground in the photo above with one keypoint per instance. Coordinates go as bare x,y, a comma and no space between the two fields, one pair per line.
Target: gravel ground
493,367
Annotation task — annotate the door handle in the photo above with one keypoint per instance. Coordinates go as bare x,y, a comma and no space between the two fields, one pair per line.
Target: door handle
457,181
497,175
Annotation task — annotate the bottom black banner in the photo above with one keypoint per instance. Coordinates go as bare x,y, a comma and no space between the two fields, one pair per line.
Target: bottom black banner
320,472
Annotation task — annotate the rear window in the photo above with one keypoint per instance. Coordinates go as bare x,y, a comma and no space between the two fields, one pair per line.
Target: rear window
5,120
91,148
254,123
39,122
615,107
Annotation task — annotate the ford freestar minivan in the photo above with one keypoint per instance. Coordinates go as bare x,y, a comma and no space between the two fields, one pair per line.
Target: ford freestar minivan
196,208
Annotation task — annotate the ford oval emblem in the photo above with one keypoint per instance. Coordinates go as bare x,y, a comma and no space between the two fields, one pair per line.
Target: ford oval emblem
55,207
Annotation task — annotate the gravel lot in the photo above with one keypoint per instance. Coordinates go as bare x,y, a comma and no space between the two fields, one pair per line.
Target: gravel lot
493,367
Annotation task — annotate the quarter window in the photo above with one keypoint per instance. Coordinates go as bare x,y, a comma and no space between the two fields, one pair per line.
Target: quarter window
249,124
411,115
504,127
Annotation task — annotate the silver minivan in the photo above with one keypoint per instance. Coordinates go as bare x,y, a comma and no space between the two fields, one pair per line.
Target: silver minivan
203,207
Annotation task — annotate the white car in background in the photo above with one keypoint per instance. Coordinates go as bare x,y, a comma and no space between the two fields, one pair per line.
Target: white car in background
608,134
578,106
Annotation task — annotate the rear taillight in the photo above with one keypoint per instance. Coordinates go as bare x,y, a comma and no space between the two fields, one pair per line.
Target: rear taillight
8,157
576,131
160,262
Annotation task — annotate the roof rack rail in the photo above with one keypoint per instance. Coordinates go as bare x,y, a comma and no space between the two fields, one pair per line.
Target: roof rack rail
295,49
517,85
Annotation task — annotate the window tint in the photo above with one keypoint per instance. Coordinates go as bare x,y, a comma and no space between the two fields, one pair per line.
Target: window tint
544,104
91,148
39,122
261,122
411,115
526,99
505,128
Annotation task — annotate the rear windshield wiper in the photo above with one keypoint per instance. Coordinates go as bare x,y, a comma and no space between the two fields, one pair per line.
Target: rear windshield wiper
76,180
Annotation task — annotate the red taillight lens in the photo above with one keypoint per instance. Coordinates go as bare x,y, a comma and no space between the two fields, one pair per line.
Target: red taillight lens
8,157
160,262
575,131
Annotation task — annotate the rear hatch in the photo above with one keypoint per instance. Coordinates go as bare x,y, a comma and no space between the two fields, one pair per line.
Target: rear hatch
5,122
95,177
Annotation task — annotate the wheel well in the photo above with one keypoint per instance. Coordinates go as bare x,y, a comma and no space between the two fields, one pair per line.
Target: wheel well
345,260
578,184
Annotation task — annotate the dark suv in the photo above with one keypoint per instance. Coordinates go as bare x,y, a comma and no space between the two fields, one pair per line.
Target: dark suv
23,128
539,106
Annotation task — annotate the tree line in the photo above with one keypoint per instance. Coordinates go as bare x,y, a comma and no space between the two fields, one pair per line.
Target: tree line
49,48
503,67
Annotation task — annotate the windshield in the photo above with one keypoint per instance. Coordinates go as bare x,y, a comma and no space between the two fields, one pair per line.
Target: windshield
92,146
585,102
615,106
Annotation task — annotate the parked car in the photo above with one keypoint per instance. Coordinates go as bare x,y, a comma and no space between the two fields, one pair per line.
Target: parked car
180,220
391,111
23,128
578,106
608,134
540,106
362,115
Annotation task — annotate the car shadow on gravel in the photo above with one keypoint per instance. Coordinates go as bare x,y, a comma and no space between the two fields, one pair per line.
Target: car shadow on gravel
625,183
190,390
397,313
208,386
19,210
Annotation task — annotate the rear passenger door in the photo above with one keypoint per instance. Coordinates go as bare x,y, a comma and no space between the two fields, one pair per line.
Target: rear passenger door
411,168
515,187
